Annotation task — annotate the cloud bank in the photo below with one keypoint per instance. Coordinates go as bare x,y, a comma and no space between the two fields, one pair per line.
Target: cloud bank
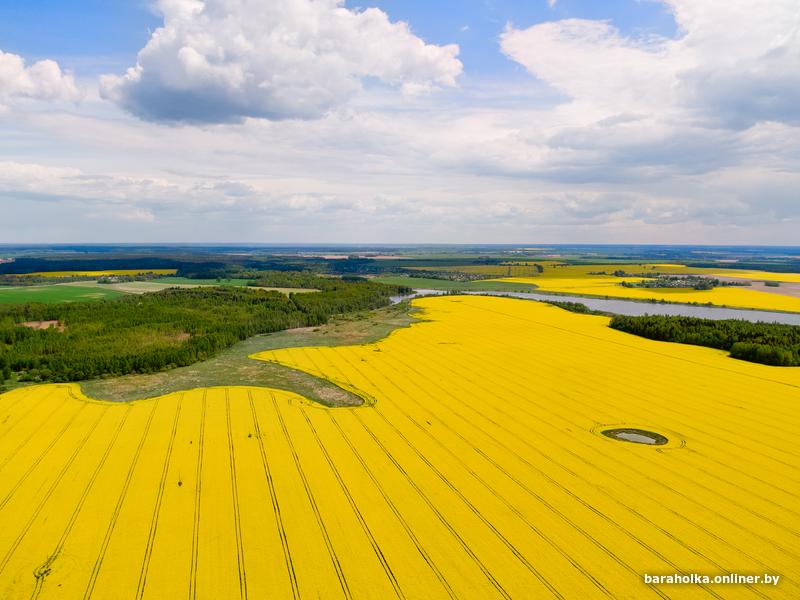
613,137
223,60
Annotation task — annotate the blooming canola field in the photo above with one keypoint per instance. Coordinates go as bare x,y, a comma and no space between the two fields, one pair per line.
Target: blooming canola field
102,273
597,280
734,296
476,468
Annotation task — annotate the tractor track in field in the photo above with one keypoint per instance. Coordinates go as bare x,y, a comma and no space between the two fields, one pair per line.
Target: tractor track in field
157,508
119,504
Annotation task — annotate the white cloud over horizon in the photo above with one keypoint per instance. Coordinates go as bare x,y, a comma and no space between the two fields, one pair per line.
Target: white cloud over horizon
219,61
616,137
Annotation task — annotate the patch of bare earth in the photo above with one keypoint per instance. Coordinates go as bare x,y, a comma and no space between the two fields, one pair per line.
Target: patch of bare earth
43,325
784,289
286,291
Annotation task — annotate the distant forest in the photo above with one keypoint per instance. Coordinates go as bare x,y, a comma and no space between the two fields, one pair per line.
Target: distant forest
163,330
215,266
766,343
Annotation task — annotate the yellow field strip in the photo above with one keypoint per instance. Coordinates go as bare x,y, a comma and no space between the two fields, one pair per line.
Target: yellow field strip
478,472
734,296
598,280
102,273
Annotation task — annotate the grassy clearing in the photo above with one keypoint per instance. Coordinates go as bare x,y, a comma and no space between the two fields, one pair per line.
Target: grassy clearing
129,287
234,367
189,281
456,286
56,293
143,287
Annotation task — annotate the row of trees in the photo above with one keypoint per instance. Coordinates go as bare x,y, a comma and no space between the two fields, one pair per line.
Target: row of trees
445,275
162,330
43,265
672,281
765,343
576,307
336,294
695,282
31,280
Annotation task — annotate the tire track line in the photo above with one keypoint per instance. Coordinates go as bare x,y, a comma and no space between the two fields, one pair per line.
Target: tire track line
33,406
287,556
555,482
236,508
354,507
435,510
118,507
42,571
403,523
148,553
197,503
499,535
41,457
500,497
32,435
309,493
50,491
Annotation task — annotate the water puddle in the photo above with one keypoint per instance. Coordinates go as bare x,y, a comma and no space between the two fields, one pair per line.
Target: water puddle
636,436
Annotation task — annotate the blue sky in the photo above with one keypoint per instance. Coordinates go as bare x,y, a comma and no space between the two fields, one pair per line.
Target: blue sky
76,32
481,121
443,22
93,34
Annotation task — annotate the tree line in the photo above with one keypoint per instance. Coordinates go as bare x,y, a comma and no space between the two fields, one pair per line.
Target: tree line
576,307
161,330
766,343
33,280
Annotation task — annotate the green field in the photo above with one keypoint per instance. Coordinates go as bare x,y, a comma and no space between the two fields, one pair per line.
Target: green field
54,294
143,287
456,286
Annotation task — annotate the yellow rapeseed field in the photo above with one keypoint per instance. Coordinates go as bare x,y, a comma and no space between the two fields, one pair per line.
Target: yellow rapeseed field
560,270
759,275
102,273
477,469
735,296
590,280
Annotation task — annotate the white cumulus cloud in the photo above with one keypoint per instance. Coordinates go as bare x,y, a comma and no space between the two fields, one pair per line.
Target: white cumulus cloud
733,62
42,80
223,60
